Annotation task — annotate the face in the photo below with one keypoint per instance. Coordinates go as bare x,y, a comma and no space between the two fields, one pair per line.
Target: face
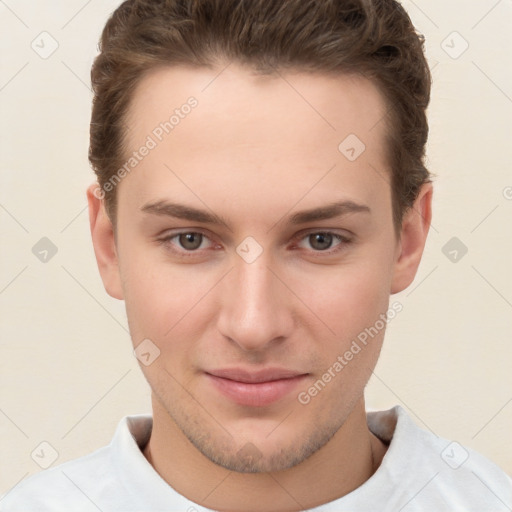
249,247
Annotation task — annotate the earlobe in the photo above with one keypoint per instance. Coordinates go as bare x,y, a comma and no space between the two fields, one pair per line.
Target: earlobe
104,244
414,231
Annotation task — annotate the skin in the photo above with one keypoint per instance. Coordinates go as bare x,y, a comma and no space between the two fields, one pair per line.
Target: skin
255,153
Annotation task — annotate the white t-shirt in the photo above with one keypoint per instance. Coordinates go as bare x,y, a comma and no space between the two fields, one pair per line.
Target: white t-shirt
420,472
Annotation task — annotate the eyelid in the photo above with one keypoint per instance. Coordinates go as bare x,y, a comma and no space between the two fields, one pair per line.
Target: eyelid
344,239
167,236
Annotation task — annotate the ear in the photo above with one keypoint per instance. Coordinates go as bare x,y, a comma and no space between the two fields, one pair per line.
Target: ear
103,240
414,231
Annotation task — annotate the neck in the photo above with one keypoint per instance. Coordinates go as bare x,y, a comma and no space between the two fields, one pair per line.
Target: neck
350,458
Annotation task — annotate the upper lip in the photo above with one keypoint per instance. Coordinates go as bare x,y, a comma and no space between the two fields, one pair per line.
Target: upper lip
254,377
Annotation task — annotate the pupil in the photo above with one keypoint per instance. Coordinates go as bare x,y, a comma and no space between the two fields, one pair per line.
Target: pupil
191,240
320,241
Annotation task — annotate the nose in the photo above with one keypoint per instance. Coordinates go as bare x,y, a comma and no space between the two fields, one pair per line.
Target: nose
256,309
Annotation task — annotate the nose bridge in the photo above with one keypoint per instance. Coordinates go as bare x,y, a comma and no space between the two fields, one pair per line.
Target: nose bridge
254,311
255,282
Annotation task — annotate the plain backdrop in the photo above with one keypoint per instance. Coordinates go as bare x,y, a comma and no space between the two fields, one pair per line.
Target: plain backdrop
67,371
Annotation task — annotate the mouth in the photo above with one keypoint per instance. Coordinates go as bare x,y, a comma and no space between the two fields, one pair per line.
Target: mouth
255,389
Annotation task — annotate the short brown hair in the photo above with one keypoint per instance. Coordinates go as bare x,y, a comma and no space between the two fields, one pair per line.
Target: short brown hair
372,37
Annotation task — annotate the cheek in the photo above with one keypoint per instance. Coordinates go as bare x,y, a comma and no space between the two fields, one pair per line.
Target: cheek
347,299
153,293
352,307
366,294
163,300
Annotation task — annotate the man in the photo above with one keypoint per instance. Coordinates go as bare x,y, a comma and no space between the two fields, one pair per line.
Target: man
261,193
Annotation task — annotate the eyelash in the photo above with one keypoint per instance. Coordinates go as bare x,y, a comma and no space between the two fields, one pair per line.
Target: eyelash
342,239
166,241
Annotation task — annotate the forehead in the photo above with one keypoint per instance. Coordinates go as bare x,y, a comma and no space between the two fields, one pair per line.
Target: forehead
252,134
314,104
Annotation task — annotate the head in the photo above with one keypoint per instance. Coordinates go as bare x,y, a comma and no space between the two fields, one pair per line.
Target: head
262,193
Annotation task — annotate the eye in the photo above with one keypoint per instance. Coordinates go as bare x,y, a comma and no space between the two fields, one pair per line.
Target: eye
323,241
187,241
190,241
320,241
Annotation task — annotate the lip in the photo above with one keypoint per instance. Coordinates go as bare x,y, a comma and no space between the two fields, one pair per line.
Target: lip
255,389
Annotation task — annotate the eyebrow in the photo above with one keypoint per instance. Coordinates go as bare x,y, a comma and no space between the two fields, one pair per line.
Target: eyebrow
329,211
180,211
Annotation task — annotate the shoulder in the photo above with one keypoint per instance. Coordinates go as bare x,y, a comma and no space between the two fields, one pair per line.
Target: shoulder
65,485
89,482
437,472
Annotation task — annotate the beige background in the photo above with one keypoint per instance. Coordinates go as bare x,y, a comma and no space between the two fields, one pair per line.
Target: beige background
67,370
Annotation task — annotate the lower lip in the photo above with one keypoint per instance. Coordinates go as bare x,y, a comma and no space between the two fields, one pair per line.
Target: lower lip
257,394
